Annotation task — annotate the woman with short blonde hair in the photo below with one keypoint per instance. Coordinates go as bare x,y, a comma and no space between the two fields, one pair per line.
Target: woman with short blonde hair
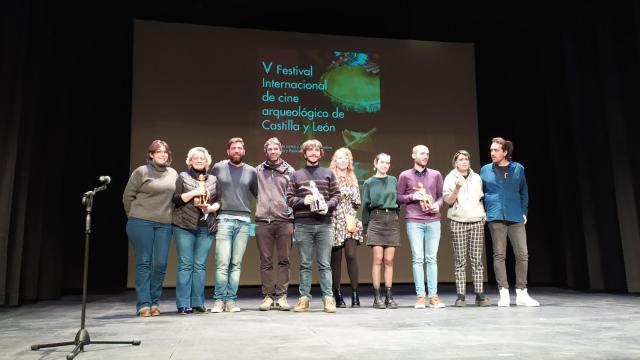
194,227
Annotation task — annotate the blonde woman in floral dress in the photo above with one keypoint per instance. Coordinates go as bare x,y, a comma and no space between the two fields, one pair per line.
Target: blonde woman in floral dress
346,214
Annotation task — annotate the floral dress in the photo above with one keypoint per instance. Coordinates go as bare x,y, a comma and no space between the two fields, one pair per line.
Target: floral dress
347,205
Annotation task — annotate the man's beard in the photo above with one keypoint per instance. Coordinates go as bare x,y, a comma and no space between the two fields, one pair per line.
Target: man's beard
236,159
314,163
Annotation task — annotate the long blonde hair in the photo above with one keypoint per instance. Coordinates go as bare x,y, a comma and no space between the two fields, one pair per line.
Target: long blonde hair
351,174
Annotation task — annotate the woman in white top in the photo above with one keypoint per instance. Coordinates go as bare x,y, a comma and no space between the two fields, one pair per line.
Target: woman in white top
463,192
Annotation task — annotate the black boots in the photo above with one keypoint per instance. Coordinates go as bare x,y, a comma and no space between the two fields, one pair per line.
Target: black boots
377,299
388,300
339,299
355,300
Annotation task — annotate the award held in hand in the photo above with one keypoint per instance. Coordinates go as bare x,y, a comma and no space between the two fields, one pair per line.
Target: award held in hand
318,204
202,201
427,199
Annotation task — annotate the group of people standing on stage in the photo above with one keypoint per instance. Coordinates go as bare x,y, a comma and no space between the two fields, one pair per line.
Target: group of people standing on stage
316,208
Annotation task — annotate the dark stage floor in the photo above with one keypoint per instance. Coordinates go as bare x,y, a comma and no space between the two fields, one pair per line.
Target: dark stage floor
568,325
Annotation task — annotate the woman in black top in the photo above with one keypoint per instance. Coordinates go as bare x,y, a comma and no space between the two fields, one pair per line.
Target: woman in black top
194,228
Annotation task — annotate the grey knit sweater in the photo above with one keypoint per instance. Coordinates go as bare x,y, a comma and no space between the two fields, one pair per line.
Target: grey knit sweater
148,193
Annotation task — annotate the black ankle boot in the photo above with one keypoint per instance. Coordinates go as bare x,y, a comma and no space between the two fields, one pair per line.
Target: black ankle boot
355,300
378,303
388,300
339,299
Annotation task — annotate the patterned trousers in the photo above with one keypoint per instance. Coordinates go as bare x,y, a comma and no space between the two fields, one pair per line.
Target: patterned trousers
468,237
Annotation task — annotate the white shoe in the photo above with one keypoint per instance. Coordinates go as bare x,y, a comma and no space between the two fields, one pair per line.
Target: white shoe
218,307
282,304
523,298
230,306
435,303
266,303
505,300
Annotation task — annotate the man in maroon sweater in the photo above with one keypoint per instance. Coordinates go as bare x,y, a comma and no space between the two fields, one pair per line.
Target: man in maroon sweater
420,188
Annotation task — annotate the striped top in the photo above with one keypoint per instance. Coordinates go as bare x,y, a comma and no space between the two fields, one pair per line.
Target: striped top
326,183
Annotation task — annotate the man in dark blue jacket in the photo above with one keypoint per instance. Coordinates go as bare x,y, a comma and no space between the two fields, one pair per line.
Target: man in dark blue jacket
506,199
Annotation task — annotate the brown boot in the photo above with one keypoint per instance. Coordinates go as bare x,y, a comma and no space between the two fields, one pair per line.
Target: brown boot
144,312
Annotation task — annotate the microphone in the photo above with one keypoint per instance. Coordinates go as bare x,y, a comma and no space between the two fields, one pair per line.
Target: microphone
104,179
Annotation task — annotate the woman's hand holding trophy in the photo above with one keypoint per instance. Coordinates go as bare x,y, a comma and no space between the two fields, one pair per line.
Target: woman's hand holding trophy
202,196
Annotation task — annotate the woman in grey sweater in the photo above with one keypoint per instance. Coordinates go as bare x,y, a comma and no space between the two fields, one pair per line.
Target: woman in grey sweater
147,202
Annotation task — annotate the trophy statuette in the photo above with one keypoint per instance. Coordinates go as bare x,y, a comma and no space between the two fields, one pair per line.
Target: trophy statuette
427,199
318,204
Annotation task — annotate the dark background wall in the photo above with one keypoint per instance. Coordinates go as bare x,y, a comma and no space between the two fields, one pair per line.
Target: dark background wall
560,81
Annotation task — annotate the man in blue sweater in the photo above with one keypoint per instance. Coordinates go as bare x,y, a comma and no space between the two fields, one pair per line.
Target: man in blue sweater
313,194
235,181
506,199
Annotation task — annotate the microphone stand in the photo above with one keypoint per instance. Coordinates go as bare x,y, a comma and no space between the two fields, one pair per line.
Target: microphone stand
82,336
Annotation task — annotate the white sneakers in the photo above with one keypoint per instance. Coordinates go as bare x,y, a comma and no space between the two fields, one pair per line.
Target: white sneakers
218,307
282,304
267,303
504,297
421,302
522,298
230,306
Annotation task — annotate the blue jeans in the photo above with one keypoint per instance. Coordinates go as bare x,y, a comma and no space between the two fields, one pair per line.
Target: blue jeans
193,250
424,239
150,240
316,239
231,242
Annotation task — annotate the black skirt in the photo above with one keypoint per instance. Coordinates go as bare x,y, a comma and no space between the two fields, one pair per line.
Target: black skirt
384,228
